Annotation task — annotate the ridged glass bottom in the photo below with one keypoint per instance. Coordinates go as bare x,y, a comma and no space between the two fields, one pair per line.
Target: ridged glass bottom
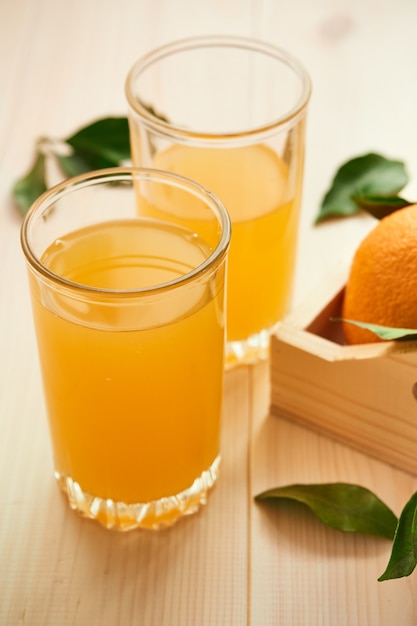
150,515
249,351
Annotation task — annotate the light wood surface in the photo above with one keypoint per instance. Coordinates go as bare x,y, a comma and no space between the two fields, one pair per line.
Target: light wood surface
63,64
362,395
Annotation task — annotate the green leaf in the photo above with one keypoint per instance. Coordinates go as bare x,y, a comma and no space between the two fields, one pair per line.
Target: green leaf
104,143
31,185
370,175
381,206
73,164
387,333
345,507
404,548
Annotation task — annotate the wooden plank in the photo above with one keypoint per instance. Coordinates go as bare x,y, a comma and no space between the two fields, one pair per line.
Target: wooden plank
56,568
302,571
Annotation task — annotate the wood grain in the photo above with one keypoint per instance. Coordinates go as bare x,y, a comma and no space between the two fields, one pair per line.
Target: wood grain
362,395
236,563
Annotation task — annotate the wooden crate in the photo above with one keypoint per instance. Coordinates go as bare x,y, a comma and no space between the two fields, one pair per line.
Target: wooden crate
362,395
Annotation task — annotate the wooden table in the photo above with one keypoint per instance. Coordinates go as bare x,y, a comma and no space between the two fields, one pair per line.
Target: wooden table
62,64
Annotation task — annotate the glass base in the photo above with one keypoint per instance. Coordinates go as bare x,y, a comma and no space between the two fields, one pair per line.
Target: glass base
150,515
249,351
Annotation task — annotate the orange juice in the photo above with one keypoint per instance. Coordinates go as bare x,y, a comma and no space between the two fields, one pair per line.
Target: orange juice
253,184
114,372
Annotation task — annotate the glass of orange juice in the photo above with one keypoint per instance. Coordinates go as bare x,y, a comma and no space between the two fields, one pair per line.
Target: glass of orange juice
230,113
129,319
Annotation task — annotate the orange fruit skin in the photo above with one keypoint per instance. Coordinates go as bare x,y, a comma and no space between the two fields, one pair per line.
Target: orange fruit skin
382,283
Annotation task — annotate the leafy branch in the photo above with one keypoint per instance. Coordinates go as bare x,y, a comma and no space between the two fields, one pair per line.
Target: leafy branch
351,508
103,143
368,183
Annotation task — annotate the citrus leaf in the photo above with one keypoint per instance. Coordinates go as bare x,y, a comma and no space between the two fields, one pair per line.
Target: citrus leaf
31,185
73,164
403,557
343,506
381,206
370,175
387,333
104,143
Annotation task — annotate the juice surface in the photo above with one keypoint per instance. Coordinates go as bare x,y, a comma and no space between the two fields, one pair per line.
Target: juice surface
253,184
134,413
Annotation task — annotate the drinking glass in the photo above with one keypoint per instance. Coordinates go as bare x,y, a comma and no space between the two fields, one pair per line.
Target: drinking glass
129,319
230,113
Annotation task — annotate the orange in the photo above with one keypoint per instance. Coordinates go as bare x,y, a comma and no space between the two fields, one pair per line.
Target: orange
382,283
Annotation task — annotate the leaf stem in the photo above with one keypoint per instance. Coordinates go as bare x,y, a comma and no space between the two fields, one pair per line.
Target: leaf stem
53,146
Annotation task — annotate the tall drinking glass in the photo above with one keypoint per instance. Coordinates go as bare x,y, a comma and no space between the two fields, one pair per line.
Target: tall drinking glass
230,113
129,318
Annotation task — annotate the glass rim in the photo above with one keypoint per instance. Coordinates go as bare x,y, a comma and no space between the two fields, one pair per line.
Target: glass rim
125,174
165,128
